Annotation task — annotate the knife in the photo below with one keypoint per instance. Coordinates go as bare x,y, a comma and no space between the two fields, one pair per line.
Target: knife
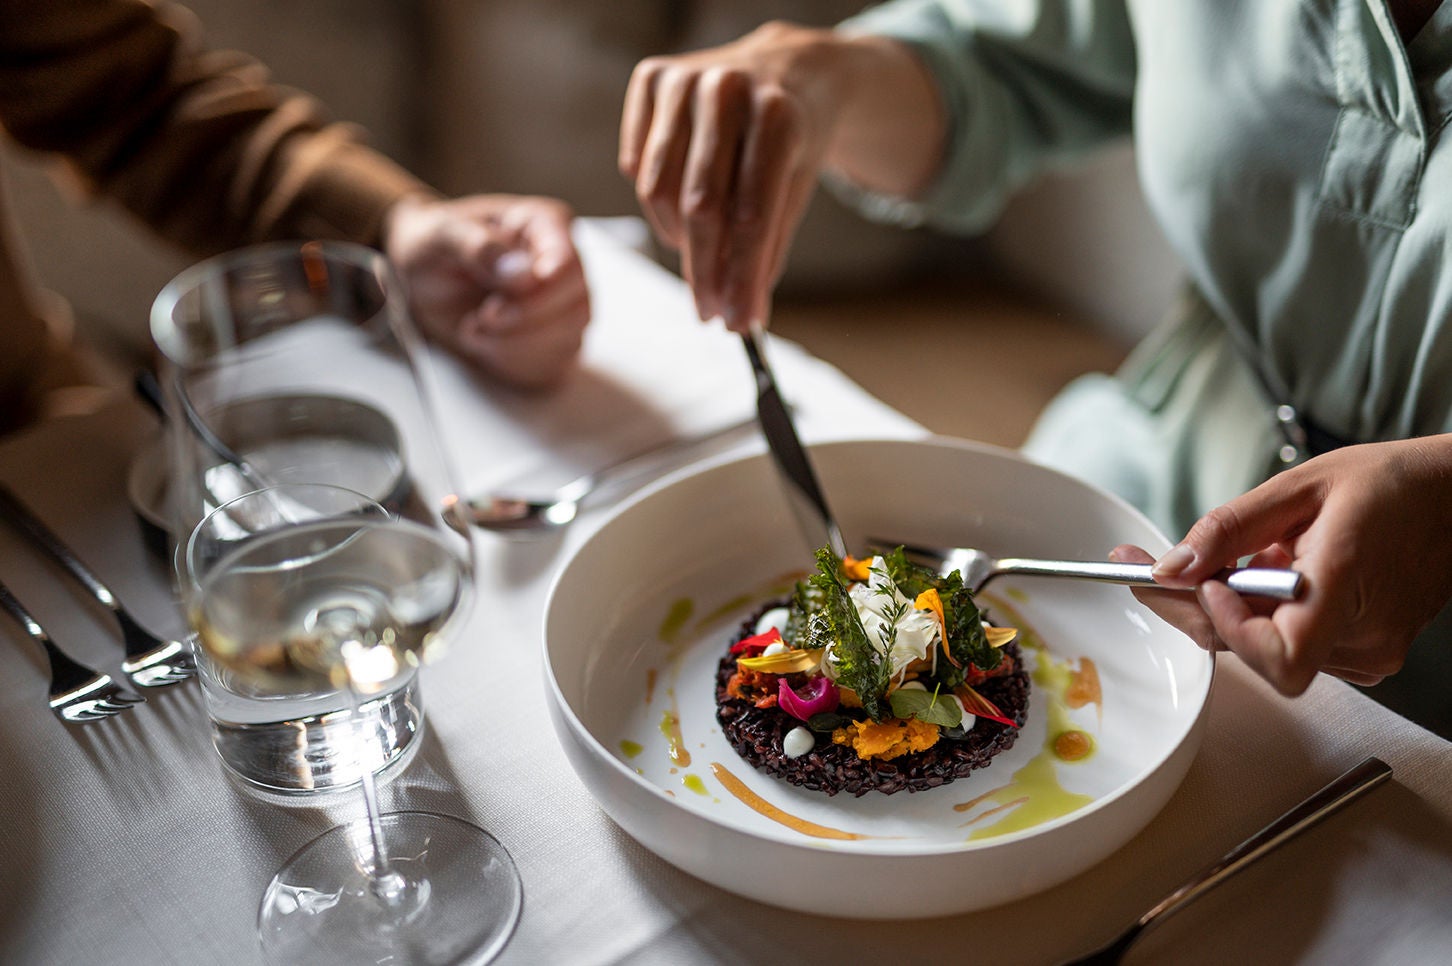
803,491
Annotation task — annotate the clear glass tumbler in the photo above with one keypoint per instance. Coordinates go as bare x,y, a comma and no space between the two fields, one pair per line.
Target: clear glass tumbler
297,364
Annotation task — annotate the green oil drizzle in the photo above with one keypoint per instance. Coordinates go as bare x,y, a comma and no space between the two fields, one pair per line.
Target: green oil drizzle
676,618
631,748
670,726
694,783
1036,792
734,604
1034,795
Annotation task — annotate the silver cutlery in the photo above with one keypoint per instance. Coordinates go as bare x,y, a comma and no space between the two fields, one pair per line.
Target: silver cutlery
1339,793
151,661
803,491
978,568
522,513
78,694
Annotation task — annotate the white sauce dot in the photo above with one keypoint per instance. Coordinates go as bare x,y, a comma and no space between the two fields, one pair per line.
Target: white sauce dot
969,720
775,647
776,617
798,742
913,686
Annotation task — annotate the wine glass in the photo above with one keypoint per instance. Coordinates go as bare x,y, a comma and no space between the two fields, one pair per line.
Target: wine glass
292,364
308,585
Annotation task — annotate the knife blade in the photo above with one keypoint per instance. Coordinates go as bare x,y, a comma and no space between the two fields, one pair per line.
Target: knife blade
804,492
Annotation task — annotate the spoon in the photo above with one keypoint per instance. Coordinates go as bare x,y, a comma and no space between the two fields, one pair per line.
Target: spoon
1342,791
978,568
527,514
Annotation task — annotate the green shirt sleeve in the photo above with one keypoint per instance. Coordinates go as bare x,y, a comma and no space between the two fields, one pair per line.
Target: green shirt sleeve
1025,86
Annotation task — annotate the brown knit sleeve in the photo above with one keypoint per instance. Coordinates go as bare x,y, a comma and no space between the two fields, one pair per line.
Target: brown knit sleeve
199,144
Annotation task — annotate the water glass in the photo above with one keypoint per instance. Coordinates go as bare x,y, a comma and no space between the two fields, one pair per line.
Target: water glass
285,364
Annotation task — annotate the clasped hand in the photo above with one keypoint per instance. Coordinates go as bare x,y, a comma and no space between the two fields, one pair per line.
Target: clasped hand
495,279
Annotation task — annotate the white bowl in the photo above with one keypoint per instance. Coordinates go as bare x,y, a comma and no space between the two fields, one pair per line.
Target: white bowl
639,617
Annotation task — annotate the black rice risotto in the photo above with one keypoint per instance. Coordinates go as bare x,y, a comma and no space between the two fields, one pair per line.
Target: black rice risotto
757,733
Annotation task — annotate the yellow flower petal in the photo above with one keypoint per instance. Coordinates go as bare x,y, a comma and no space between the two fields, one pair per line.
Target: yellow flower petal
787,662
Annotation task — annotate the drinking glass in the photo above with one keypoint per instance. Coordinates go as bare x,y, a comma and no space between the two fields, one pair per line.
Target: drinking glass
296,363
299,585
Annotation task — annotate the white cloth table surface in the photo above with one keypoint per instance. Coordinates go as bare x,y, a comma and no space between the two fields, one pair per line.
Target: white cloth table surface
123,842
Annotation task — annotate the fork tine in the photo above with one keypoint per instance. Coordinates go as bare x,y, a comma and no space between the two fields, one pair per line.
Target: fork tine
77,693
144,650
152,662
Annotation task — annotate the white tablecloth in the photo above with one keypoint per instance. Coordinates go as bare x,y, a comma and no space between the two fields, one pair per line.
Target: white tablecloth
122,842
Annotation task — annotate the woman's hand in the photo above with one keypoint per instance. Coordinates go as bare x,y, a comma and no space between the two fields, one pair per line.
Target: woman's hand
496,279
1369,526
724,147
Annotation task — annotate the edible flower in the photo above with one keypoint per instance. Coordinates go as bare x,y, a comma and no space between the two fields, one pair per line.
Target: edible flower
756,643
855,569
999,636
976,704
930,601
787,662
820,695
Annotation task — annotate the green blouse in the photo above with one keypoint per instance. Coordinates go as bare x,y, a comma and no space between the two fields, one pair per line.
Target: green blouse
1290,151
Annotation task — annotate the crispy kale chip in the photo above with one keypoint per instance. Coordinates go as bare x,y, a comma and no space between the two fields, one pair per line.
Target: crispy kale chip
857,663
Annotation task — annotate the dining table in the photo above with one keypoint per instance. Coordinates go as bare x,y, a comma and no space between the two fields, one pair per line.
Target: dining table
125,841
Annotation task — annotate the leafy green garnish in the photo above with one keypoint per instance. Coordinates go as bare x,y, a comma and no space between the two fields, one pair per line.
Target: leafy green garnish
929,706
857,664
807,599
826,722
966,640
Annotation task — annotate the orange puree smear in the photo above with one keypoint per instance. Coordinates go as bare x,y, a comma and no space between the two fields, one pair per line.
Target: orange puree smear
1084,686
752,800
965,806
1015,803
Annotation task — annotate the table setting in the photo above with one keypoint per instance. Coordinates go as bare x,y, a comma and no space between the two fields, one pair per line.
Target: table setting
571,567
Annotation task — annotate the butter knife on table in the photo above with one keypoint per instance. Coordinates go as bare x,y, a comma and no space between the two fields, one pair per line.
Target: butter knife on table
804,492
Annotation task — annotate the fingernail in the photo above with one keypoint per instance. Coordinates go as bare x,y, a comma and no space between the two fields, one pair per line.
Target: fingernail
1114,555
512,264
1174,562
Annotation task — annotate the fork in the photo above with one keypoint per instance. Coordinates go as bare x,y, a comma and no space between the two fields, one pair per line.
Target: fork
77,693
978,568
151,661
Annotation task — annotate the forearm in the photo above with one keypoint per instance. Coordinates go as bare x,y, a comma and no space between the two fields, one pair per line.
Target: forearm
892,128
199,144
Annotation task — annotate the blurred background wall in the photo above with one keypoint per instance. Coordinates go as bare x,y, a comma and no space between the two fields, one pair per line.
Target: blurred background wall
524,96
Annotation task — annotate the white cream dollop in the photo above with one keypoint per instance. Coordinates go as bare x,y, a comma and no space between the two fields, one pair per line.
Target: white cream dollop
969,719
917,630
776,617
775,647
797,742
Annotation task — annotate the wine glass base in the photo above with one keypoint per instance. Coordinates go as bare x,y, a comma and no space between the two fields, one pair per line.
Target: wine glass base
461,906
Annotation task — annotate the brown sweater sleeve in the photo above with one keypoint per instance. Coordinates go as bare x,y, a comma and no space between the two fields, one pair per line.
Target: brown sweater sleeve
197,143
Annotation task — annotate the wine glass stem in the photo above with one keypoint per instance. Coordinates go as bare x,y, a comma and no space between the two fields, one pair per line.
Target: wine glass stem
387,885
